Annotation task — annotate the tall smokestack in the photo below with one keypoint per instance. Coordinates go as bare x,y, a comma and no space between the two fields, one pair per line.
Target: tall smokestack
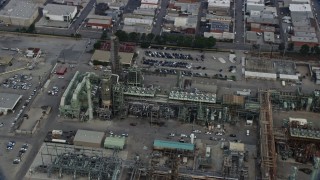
114,57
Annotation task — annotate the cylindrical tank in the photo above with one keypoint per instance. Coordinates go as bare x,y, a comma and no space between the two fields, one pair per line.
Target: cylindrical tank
192,138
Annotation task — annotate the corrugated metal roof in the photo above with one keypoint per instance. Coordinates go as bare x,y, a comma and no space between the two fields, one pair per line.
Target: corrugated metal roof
88,136
173,145
114,142
232,99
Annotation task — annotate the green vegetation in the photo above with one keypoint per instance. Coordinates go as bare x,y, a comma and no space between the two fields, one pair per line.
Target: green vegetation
167,39
304,50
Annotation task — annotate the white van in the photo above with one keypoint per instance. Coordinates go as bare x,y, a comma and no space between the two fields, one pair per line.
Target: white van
248,132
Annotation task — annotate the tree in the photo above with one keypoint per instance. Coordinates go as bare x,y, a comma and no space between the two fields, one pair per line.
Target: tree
145,44
97,45
123,36
316,49
211,41
143,37
150,37
312,50
187,41
199,42
304,50
290,47
281,47
104,35
133,36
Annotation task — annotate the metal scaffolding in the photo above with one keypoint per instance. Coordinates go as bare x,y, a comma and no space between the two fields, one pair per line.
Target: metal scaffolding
114,56
79,162
267,144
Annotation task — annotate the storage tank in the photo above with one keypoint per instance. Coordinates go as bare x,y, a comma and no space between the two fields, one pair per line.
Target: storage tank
192,138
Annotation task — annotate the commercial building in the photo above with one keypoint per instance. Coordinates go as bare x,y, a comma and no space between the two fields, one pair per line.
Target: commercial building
219,27
303,25
57,12
255,5
100,23
114,4
149,4
88,138
20,13
132,20
68,2
114,142
220,36
8,102
104,56
219,7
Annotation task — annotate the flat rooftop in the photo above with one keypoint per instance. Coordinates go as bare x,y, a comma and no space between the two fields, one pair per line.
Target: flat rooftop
104,56
173,145
8,101
20,9
58,9
88,136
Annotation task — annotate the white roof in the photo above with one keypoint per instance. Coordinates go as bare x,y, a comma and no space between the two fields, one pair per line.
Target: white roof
219,3
300,7
255,1
289,77
9,101
300,120
58,9
21,9
149,1
260,75
301,1
233,146
304,39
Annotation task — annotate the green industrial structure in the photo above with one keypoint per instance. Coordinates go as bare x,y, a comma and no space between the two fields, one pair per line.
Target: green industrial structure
167,145
79,100
113,142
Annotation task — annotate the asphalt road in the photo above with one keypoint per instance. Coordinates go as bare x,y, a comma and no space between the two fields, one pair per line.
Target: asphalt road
157,29
131,5
239,22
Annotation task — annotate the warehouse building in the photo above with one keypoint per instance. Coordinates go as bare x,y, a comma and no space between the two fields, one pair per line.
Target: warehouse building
114,142
88,138
20,13
104,57
8,102
57,12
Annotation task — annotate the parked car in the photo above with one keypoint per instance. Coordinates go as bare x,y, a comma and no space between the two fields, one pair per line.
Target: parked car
11,145
24,148
233,135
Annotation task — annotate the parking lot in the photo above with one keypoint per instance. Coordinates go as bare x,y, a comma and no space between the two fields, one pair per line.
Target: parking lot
14,158
26,82
217,65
